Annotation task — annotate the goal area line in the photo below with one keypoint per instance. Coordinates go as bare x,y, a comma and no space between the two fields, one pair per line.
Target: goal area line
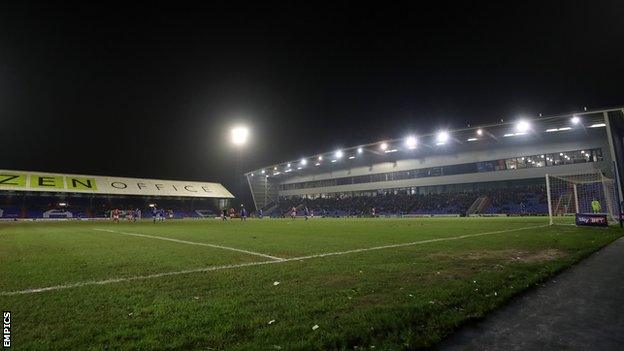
249,264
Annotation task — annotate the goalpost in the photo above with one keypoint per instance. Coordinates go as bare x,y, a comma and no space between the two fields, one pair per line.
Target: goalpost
587,192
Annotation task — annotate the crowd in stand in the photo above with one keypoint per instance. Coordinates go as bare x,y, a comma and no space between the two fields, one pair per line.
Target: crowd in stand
516,200
14,207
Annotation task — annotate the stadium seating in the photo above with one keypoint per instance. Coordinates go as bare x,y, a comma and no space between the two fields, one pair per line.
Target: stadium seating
520,200
526,200
48,207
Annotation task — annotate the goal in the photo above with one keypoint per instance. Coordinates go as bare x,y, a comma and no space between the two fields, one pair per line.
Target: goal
569,194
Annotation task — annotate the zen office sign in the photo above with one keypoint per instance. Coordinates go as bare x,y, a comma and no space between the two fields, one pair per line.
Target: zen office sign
52,182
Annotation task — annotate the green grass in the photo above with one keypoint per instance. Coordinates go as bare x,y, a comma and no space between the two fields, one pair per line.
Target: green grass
394,298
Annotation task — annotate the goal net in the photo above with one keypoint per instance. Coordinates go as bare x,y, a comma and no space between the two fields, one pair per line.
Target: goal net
590,192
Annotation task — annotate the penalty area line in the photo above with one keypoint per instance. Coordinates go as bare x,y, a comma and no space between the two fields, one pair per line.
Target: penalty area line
232,266
413,243
191,243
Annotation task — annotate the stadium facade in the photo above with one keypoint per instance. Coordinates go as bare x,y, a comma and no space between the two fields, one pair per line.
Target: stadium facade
28,195
474,159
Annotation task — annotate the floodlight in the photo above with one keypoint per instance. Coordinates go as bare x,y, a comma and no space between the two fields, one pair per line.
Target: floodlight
275,168
251,174
575,120
339,154
304,162
263,171
360,150
288,165
479,132
442,137
383,146
320,158
239,135
522,126
411,142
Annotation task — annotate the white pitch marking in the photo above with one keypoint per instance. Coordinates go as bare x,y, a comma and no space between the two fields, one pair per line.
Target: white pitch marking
191,243
127,279
216,268
413,243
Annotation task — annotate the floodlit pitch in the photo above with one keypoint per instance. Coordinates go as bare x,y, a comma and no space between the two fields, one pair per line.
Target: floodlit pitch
269,284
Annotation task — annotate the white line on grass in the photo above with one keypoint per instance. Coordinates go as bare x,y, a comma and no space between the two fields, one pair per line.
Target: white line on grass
191,243
413,243
127,279
231,266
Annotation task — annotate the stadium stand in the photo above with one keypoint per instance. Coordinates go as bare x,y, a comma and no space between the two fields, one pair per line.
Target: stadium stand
38,195
522,200
496,169
76,207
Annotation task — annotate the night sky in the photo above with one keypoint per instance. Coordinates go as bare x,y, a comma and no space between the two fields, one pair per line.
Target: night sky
152,91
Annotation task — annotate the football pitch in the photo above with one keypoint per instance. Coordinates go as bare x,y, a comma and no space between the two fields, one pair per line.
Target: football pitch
271,284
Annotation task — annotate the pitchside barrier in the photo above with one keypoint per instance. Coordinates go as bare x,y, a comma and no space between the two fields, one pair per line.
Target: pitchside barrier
422,215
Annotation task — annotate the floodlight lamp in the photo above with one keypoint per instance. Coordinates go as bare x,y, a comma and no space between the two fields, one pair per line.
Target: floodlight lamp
383,146
442,137
575,120
523,126
304,162
339,154
360,150
411,142
479,132
239,135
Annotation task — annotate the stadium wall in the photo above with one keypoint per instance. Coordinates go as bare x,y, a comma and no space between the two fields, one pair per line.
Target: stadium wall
507,175
595,140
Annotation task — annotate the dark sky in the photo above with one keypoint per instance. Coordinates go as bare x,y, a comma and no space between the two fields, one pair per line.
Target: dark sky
151,91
